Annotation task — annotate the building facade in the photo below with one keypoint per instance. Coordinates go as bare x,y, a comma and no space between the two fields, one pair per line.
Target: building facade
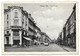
19,27
13,25
64,36
45,38
69,30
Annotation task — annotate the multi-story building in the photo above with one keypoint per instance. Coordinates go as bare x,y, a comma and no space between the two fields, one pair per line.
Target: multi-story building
37,34
72,28
48,40
60,38
45,38
69,30
42,37
13,25
64,36
31,29
19,26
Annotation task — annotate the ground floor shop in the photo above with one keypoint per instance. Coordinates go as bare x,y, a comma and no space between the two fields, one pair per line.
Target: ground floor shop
19,38
15,37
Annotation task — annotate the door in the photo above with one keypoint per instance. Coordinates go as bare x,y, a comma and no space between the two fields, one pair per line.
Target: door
16,42
7,38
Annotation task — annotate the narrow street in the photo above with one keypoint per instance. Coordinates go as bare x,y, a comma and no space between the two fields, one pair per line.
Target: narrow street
40,48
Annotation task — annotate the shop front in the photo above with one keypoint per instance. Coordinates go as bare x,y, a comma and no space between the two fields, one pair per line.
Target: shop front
27,41
16,36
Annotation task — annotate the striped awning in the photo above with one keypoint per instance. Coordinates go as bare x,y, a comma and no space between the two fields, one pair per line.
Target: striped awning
27,38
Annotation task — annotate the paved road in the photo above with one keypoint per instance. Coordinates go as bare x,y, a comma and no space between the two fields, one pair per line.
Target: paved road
40,48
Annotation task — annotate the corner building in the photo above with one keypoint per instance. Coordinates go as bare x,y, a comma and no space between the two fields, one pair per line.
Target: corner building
17,27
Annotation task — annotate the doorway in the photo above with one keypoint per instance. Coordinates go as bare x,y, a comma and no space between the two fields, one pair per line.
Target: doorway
7,38
16,42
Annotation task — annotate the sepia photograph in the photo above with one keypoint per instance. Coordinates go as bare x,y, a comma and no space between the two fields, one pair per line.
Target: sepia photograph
40,27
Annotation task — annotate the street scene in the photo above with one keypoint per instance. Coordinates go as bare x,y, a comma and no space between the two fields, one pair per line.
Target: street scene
41,48
40,27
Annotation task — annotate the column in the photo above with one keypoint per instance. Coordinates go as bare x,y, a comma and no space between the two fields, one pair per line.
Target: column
11,38
20,38
5,41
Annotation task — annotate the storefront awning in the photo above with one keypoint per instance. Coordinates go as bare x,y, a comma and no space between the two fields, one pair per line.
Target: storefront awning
27,38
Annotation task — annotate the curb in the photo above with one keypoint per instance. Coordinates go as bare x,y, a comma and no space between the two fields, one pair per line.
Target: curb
64,48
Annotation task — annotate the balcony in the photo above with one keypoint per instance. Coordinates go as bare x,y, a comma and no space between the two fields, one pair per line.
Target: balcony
16,27
8,34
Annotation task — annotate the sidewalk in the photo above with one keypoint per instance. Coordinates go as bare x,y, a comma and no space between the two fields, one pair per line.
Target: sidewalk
68,49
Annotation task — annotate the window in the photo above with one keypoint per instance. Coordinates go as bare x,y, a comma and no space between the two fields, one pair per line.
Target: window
7,24
15,33
16,14
7,16
16,22
7,31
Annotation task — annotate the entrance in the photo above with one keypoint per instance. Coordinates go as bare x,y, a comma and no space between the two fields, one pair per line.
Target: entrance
16,37
16,42
7,38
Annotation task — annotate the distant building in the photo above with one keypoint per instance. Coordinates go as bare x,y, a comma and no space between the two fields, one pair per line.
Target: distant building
45,38
60,38
54,40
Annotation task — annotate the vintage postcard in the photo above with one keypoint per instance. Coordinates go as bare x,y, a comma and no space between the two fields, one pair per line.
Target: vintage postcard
40,27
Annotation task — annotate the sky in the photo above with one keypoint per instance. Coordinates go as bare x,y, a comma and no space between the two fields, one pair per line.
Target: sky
49,17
